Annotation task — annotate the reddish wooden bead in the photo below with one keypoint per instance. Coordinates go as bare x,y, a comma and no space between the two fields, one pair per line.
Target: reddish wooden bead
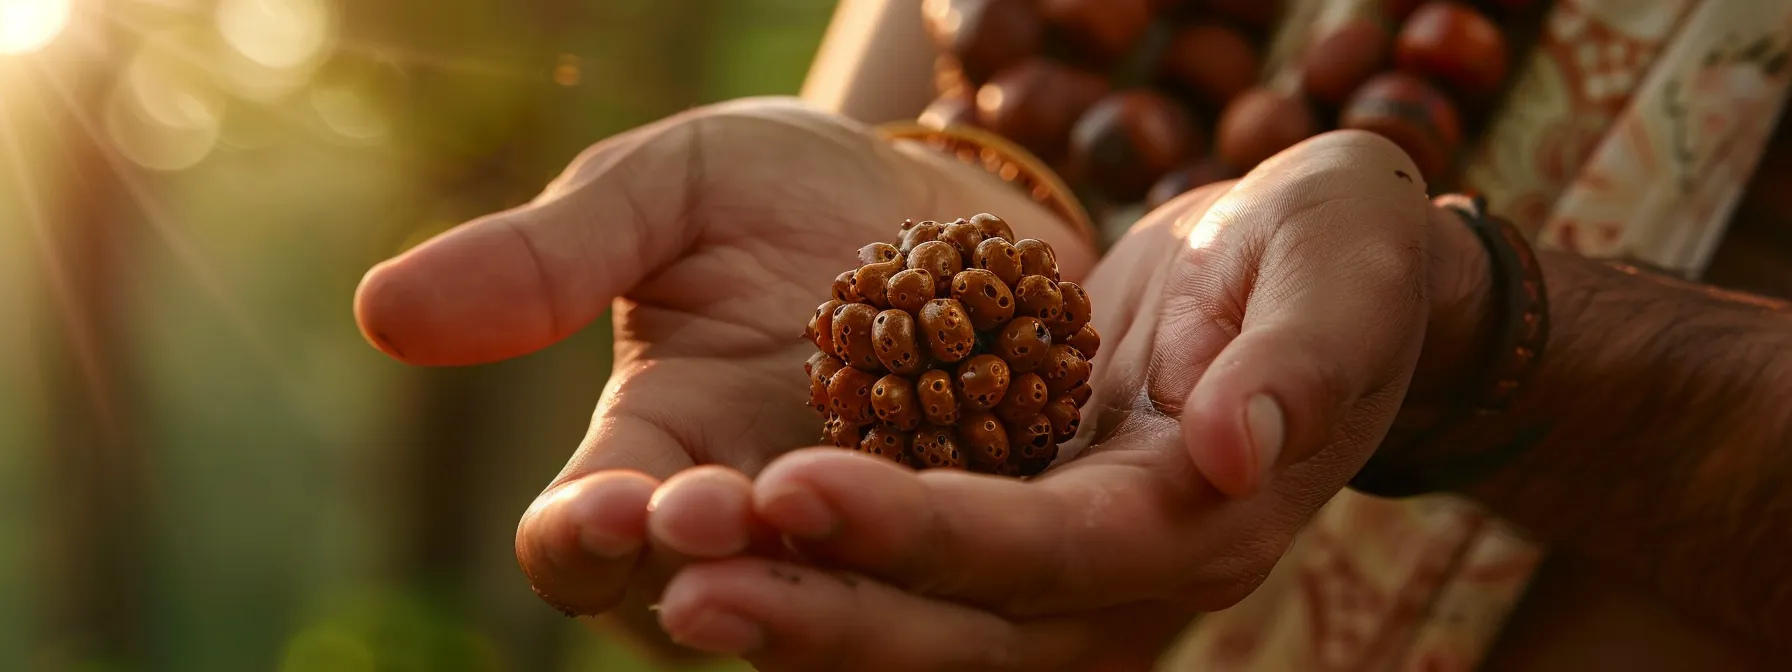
1260,123
821,368
1035,102
985,439
909,290
946,328
1188,178
985,35
1102,29
984,297
843,291
1032,438
821,327
1039,297
1418,118
1064,368
915,236
939,259
896,340
963,236
1129,139
849,394
1078,310
993,226
1344,57
1215,62
998,256
1065,417
939,398
1086,341
982,381
1024,342
871,281
935,448
1037,258
886,443
1453,43
852,336
1080,394
894,403
877,253
1027,394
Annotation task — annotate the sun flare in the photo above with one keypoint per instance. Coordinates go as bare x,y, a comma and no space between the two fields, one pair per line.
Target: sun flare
28,25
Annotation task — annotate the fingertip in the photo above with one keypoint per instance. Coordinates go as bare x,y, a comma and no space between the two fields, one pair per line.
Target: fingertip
810,494
1214,434
703,512
576,542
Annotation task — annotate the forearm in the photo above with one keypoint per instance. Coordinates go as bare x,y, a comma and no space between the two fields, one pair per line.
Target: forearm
875,64
1667,450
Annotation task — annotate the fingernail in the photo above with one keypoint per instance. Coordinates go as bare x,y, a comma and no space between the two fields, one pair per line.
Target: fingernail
605,546
799,512
1263,420
720,632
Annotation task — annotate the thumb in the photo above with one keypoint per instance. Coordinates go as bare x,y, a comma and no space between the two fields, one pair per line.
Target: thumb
512,283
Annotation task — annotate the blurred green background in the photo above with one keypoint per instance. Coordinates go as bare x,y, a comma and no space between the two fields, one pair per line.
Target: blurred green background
202,465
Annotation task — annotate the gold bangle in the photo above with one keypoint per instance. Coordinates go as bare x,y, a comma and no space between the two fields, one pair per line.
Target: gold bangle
1005,160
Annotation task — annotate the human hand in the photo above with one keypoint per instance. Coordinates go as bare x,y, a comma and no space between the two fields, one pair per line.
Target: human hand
713,234
1262,338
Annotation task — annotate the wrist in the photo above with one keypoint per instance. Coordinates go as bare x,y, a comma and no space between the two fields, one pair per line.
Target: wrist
1462,321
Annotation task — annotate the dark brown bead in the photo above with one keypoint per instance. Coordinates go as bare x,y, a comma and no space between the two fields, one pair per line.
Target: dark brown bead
936,448
843,291
993,226
1260,123
982,381
949,111
1086,341
1343,57
1037,258
1035,102
1214,61
984,297
985,35
886,443
947,330
838,432
910,289
1038,296
871,281
877,253
1188,178
985,439
940,260
1451,42
821,327
998,256
1032,438
1077,311
849,395
964,237
1064,368
1129,139
1064,416
897,343
1023,342
1102,29
1026,396
1080,394
1407,110
924,232
852,336
894,402
821,369
939,400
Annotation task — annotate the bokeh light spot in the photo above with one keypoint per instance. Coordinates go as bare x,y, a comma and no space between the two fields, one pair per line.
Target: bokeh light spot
28,25
166,113
276,33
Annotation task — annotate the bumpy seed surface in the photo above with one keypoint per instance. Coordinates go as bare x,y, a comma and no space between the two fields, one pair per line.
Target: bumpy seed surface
1080,394
1026,395
998,256
821,326
852,336
1064,368
964,237
1037,258
910,289
939,260
821,367
1076,312
985,439
1038,296
849,395
1086,341
843,291
877,253
887,443
1023,342
992,226
894,402
843,433
925,232
982,381
939,401
897,343
984,297
1065,418
1033,438
936,448
947,330
871,281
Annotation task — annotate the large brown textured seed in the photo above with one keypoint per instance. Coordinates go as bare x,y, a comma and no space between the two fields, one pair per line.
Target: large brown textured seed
925,232
897,343
1065,418
1033,438
993,226
939,401
1037,258
963,236
984,297
937,448
839,432
1080,394
1023,343
877,253
1038,296
849,395
1077,311
1086,341
843,291
909,290
822,367
1027,395
1064,368
887,443
998,256
947,330
894,402
983,380
852,336
940,260
985,439
821,327
872,280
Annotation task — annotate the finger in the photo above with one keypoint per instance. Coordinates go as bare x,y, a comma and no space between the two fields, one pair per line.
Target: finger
1318,267
784,616
578,542
704,512
517,281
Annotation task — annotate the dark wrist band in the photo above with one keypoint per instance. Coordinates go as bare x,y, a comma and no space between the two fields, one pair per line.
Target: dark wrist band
1431,460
